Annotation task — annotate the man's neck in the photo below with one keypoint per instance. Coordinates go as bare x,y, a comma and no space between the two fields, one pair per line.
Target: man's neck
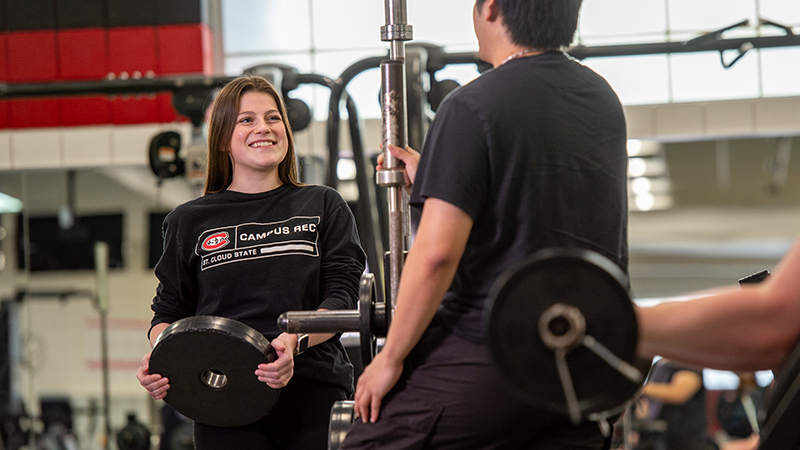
524,53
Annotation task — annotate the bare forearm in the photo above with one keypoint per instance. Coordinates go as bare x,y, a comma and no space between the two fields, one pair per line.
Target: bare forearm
734,329
427,274
662,392
682,387
422,288
751,328
155,331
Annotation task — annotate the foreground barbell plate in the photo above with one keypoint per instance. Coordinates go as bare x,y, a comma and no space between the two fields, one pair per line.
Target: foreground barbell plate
210,362
562,330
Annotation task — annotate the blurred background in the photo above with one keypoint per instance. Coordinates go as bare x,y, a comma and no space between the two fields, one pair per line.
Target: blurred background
94,148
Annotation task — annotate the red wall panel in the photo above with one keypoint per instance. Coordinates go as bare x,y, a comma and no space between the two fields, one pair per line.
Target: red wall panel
3,56
168,113
132,49
82,54
129,109
5,121
86,110
133,52
28,113
32,56
93,54
185,49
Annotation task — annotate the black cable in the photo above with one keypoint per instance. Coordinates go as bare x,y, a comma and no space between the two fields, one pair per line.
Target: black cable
367,208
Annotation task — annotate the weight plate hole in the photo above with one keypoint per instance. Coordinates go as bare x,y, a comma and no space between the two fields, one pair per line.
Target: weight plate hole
214,378
559,326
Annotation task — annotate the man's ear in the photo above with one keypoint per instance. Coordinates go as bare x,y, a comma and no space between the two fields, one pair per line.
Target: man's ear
490,11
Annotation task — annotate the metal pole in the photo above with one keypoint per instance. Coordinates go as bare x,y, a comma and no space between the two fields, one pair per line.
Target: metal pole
395,132
101,269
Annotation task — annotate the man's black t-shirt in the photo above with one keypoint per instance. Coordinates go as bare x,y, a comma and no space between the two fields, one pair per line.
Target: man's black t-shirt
535,152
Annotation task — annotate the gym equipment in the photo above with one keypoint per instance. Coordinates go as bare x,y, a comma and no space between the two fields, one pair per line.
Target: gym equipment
286,79
395,132
210,361
164,155
101,303
342,416
757,277
394,127
562,330
781,404
369,319
712,41
134,436
781,408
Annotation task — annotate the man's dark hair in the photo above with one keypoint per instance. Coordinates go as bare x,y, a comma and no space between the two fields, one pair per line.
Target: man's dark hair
540,24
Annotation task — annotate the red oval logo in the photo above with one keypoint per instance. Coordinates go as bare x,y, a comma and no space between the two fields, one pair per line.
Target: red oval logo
216,241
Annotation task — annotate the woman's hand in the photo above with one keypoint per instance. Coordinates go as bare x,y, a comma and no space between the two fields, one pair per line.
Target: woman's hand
278,373
410,158
155,384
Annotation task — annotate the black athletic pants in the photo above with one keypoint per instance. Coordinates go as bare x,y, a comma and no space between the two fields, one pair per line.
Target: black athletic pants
451,397
299,421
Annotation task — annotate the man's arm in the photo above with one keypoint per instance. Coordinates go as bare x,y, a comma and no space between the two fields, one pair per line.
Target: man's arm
427,274
681,387
752,328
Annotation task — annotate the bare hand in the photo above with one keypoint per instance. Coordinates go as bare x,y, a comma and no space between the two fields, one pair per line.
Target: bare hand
278,373
155,384
410,158
378,378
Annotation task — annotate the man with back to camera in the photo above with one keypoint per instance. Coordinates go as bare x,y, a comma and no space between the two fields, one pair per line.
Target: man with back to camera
529,155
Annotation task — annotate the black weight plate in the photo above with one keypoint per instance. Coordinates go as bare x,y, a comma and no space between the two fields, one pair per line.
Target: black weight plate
210,362
781,407
579,278
366,306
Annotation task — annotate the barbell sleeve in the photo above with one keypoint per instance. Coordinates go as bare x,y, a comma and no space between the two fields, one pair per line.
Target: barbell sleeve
319,321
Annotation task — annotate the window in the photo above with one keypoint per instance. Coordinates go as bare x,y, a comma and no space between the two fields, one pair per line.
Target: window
324,37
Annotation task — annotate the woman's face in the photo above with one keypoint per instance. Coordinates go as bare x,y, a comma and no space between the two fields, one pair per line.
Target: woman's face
259,141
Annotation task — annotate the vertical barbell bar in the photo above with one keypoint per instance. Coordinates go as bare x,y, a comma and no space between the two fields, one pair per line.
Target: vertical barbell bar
395,132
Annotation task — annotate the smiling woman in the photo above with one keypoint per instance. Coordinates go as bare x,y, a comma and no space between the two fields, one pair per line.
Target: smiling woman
256,245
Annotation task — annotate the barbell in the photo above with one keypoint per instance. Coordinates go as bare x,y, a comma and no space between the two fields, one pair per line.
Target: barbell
369,320
561,328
